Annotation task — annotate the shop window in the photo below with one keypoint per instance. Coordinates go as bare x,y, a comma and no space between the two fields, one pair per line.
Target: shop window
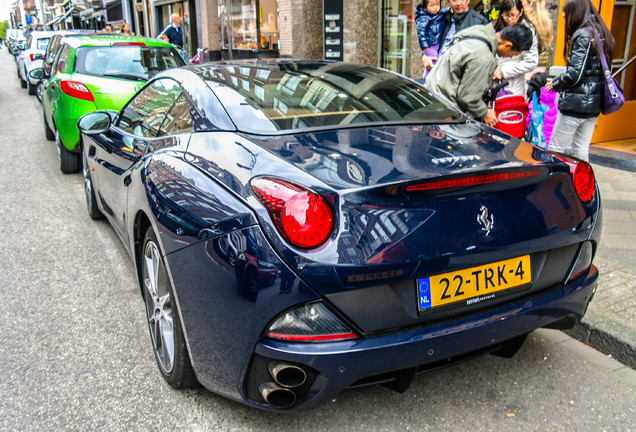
249,25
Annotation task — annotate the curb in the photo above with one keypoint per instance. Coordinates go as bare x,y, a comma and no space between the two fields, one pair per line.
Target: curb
607,336
613,158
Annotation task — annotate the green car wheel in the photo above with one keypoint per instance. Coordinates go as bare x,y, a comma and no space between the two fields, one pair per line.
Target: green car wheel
69,161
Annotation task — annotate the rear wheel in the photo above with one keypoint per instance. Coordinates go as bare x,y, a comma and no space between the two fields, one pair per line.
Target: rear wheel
23,83
164,323
50,135
69,161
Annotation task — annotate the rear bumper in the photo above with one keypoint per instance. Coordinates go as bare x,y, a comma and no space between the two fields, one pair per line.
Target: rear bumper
349,363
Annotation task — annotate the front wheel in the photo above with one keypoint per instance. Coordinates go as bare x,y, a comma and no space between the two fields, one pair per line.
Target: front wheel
69,161
91,200
31,88
38,91
164,323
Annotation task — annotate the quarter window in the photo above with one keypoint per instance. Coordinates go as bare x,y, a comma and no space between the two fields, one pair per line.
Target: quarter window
144,115
60,61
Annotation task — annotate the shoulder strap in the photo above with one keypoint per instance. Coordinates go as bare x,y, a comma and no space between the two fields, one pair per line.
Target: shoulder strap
475,38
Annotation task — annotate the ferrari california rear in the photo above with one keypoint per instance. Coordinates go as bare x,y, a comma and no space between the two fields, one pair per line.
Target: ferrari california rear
302,228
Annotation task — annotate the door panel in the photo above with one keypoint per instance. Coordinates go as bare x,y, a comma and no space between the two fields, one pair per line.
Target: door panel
620,125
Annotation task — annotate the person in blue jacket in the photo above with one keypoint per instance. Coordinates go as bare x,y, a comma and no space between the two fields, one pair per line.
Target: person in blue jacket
429,20
173,31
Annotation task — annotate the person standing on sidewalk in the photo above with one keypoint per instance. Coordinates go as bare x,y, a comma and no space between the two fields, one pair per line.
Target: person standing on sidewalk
582,85
514,69
461,17
464,74
173,31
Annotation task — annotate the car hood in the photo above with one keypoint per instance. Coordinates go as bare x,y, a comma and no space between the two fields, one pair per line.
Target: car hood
109,93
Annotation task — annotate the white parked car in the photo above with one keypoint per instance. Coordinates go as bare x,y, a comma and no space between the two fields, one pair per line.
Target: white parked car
31,57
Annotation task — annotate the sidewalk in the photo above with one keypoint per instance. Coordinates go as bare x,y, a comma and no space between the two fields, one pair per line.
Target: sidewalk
610,322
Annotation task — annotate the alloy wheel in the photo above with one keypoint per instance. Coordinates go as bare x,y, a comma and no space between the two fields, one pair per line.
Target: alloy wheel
158,307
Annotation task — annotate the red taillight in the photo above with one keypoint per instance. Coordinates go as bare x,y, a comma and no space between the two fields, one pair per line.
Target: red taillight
313,338
582,176
77,90
473,180
35,56
311,322
301,216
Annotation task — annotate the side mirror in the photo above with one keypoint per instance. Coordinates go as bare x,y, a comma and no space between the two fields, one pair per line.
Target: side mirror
94,123
37,74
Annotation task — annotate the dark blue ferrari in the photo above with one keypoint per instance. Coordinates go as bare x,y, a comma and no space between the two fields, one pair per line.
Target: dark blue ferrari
300,228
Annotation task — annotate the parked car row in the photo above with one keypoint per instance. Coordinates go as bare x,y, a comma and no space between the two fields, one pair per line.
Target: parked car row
83,72
14,41
300,228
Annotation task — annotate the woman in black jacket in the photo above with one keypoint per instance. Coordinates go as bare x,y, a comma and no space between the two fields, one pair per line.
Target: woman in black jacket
581,86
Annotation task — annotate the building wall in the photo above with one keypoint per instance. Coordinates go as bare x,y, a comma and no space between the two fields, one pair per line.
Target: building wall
361,31
210,27
300,29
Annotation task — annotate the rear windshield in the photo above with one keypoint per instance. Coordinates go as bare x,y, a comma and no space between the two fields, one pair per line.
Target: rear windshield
282,97
126,61
41,44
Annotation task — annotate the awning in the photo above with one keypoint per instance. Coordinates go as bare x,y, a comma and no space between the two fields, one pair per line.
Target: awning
91,13
60,18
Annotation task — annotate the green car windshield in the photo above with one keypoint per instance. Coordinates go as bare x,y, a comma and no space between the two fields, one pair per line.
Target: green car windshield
283,97
133,62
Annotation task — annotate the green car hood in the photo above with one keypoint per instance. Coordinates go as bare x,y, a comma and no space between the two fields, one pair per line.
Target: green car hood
110,93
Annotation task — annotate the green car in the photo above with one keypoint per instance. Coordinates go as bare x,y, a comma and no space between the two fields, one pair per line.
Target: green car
91,73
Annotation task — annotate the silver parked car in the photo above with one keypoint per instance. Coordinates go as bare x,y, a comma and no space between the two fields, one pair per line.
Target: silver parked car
31,57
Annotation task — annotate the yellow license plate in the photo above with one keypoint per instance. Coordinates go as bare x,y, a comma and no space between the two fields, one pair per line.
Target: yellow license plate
473,285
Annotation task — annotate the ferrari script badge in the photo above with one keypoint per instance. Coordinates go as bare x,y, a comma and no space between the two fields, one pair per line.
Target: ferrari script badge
486,223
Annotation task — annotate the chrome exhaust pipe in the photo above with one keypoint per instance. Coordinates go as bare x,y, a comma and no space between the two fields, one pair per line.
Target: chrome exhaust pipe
287,375
276,396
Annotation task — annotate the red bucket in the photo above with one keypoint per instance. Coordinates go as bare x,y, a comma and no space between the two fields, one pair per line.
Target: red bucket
511,114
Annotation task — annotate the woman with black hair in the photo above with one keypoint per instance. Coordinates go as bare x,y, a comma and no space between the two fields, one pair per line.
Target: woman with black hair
514,69
581,86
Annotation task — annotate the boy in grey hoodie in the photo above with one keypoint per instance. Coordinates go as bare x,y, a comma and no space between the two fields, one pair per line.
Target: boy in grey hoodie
464,73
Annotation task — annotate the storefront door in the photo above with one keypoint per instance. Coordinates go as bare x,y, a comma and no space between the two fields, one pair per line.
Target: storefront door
620,125
396,22
620,15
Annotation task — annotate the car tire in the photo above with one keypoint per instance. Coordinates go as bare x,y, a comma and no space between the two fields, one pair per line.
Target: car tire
69,161
31,88
38,92
91,200
23,83
48,132
164,322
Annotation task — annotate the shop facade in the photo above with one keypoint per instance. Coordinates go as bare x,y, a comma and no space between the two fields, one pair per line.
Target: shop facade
370,32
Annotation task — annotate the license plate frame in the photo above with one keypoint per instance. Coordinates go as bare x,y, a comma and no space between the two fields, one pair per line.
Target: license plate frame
472,285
